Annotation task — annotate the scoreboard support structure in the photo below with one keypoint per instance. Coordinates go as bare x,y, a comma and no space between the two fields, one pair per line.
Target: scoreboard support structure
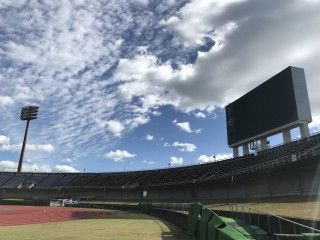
304,130
235,152
286,136
264,143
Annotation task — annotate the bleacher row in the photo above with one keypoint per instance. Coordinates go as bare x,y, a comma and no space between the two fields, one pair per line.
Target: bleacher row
280,156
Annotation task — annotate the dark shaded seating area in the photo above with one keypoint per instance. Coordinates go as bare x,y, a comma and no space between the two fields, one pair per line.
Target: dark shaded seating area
286,155
48,181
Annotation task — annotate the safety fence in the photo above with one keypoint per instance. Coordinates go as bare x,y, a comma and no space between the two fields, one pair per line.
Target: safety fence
267,221
261,225
202,223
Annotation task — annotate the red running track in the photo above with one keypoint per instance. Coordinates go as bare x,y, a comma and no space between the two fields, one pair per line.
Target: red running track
19,215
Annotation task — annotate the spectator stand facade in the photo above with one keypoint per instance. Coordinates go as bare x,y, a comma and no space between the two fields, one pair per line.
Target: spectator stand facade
285,170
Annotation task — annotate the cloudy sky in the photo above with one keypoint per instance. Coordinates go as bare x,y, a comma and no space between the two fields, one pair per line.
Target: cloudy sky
125,85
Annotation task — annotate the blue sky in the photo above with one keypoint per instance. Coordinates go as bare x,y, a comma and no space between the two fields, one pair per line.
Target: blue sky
126,85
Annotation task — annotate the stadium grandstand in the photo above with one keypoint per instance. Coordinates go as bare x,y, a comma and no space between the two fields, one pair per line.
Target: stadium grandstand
193,180
290,169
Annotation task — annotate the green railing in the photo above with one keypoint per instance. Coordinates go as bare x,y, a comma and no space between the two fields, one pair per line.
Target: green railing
202,223
240,222
270,222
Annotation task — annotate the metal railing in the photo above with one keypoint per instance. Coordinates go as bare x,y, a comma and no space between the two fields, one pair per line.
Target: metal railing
263,164
267,164
268,222
225,222
185,207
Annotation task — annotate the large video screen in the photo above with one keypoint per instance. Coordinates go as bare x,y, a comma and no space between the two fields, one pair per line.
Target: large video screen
281,100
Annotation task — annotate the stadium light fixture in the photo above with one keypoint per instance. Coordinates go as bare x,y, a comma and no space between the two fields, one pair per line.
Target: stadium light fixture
28,113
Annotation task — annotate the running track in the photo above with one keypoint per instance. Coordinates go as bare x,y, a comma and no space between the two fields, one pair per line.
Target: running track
18,215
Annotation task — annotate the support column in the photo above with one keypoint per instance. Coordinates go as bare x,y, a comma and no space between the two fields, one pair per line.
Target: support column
304,130
23,146
245,148
264,143
235,152
286,136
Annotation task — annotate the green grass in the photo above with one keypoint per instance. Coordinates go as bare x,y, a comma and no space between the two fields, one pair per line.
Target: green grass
120,227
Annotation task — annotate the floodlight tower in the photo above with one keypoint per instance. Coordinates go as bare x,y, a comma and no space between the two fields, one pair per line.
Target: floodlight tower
28,113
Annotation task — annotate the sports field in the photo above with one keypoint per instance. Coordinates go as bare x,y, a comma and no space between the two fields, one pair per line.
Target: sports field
45,223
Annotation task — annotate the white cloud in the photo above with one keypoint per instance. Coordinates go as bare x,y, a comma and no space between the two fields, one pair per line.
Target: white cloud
197,131
11,166
205,159
59,59
185,147
154,83
36,168
156,113
119,155
166,144
221,156
136,121
40,147
64,168
176,161
241,31
31,147
115,127
213,158
7,3
200,115
148,162
315,125
6,101
149,137
8,166
66,160
4,140
185,126
198,19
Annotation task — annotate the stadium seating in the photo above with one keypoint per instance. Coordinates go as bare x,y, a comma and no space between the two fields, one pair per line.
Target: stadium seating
81,180
48,181
286,155
5,176
34,179
65,180
16,180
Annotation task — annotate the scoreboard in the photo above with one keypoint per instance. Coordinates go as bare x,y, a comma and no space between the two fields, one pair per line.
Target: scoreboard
279,102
